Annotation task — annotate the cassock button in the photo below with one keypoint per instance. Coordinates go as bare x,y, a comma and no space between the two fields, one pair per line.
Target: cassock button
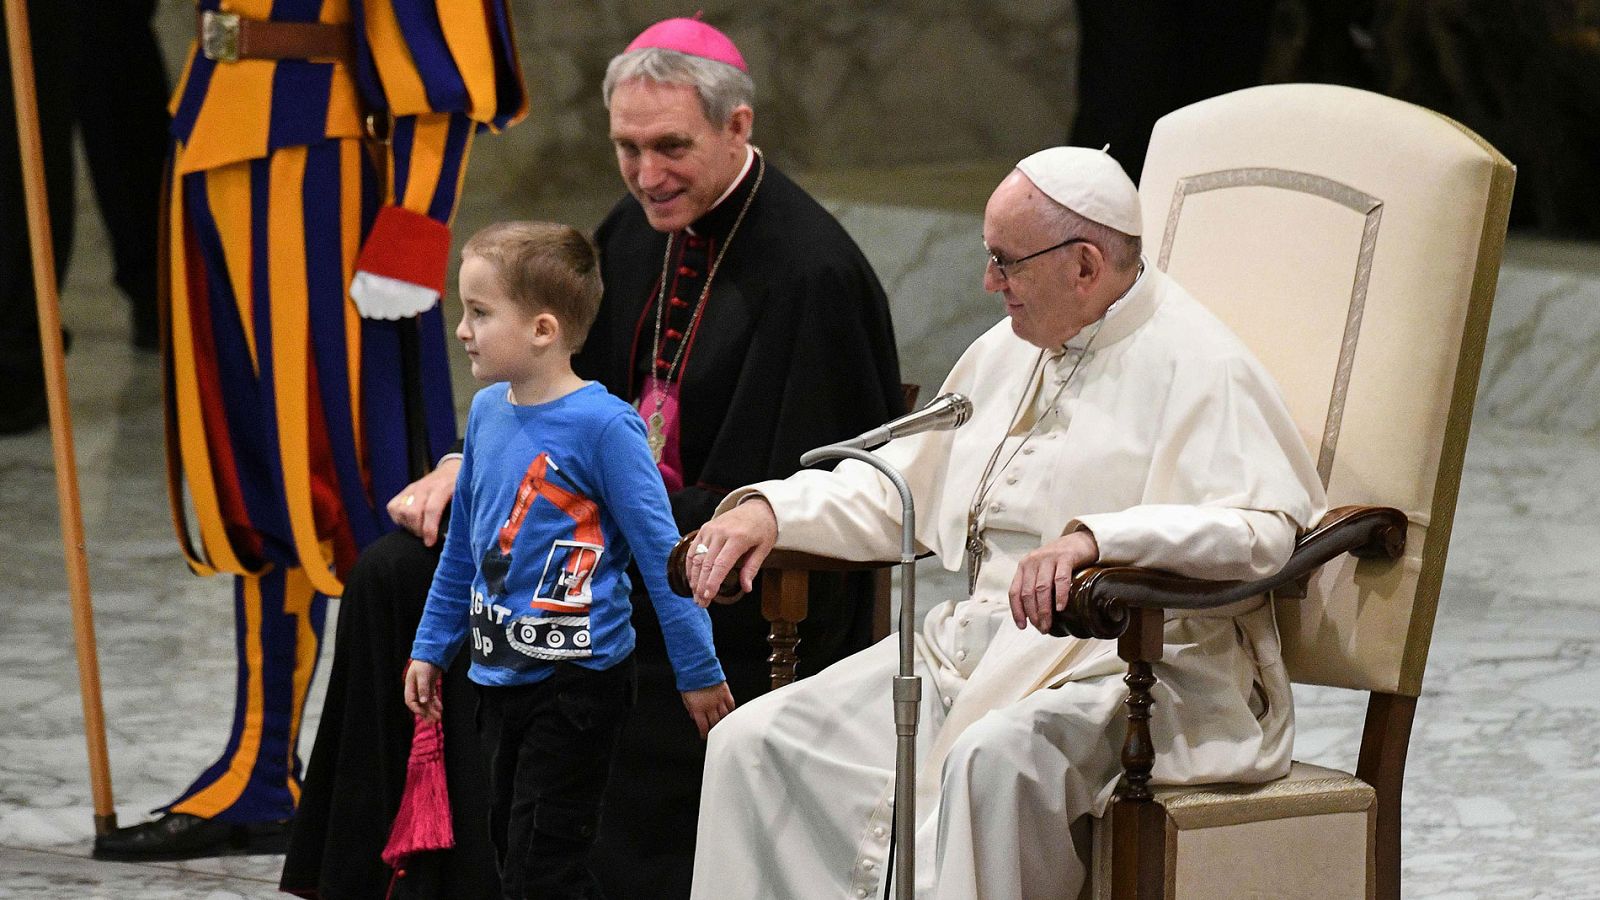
861,892
948,701
1027,451
878,832
1011,479
996,506
961,654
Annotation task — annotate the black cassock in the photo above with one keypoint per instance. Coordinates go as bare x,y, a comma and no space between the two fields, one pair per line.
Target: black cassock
794,349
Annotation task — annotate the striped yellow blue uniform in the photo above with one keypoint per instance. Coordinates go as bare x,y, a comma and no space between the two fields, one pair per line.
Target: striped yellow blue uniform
287,422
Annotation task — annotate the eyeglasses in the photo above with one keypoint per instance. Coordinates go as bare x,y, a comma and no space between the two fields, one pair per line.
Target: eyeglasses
1006,267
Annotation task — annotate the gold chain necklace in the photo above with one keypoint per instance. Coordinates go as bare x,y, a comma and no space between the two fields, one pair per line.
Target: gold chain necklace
657,426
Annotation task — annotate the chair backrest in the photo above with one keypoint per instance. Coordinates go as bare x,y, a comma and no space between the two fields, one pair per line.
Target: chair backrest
1353,242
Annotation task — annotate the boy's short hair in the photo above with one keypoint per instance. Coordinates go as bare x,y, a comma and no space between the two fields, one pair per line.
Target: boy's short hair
545,267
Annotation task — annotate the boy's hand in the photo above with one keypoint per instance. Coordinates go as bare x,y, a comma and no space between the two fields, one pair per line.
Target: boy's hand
422,690
708,705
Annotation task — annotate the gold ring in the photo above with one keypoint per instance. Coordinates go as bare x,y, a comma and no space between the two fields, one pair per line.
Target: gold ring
410,499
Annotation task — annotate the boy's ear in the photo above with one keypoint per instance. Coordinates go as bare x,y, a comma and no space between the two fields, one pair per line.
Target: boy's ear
546,328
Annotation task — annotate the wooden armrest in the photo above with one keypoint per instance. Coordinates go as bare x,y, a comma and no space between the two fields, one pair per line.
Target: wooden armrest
777,560
1102,595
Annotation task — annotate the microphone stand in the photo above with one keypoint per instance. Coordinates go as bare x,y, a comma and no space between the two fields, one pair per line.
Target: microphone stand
907,685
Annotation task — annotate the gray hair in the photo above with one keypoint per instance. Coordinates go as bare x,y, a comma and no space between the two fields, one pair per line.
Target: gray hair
1120,250
722,88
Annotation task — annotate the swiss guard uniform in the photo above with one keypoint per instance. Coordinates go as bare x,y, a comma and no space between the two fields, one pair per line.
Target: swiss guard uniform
318,153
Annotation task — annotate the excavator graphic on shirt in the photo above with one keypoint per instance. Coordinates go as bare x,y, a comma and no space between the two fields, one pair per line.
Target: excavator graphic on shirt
563,593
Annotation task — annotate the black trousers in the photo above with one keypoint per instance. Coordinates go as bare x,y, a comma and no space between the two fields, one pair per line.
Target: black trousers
97,68
549,748
22,399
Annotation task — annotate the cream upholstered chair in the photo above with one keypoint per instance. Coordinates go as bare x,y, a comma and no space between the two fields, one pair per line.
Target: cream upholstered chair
1353,242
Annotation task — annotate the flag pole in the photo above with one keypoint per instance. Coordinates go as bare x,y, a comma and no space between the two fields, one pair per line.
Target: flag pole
55,380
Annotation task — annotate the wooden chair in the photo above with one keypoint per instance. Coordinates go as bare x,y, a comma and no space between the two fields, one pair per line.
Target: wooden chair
1353,242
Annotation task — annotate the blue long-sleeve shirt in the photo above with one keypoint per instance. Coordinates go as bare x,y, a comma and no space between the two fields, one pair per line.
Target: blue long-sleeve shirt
591,498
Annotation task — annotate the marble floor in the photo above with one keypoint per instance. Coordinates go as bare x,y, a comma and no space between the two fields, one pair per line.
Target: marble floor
1503,798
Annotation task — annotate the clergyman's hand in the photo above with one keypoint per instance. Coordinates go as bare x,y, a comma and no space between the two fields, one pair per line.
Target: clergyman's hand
739,538
1043,582
417,508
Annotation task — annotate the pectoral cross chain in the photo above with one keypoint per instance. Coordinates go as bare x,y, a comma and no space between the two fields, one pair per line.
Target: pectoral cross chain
974,552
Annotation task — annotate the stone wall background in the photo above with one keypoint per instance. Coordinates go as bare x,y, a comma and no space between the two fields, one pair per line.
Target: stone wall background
851,86
838,85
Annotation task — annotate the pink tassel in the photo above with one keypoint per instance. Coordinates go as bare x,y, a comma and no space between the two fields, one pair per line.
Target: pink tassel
423,822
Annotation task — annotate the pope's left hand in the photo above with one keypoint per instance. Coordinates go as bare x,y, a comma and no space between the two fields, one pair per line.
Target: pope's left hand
1043,581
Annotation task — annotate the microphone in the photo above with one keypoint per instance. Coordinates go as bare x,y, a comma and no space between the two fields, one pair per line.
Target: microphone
943,412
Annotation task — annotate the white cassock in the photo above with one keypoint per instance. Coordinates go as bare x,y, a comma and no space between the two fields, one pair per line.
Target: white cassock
1173,446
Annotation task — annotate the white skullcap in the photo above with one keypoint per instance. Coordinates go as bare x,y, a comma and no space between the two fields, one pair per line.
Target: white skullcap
1088,182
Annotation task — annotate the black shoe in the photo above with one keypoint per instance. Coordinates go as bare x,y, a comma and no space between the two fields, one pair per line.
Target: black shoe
182,836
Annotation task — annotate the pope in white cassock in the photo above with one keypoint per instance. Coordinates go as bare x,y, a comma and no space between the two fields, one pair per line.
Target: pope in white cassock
1115,421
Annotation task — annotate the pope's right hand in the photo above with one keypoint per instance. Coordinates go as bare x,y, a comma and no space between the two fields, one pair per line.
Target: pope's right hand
739,539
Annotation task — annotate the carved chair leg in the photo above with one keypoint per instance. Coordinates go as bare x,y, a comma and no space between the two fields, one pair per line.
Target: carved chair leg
1138,855
784,603
1382,764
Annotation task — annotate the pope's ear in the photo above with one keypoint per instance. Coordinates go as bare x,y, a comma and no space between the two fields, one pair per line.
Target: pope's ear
1089,264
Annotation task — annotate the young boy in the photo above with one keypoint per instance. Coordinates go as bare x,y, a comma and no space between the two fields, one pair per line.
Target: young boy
557,487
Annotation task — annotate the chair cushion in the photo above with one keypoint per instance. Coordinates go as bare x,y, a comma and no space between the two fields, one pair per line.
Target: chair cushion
1308,834
1307,790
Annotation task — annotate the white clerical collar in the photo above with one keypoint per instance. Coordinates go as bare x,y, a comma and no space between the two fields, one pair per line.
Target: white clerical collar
1085,335
749,160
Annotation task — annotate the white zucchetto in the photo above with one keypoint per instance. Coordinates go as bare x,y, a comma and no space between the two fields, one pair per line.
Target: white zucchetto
1088,182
